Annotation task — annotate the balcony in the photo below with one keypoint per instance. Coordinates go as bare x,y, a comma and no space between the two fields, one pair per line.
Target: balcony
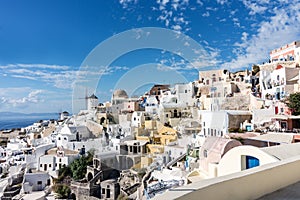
242,185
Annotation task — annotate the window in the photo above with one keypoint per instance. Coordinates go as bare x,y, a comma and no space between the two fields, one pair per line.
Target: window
103,191
107,193
203,124
207,82
185,91
251,162
214,79
205,153
49,165
41,165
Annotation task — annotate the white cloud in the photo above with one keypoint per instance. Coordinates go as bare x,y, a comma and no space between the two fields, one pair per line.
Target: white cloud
211,8
244,36
38,66
126,3
206,14
58,76
177,28
172,14
199,2
236,22
31,98
222,2
254,7
281,28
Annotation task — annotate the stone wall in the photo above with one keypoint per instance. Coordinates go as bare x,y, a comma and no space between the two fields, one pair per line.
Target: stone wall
238,102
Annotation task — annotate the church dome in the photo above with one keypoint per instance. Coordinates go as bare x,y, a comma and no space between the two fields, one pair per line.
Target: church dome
120,94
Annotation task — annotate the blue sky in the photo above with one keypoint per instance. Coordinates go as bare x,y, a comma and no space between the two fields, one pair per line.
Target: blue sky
44,43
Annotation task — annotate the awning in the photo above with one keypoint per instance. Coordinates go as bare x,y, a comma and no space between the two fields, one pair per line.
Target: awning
294,117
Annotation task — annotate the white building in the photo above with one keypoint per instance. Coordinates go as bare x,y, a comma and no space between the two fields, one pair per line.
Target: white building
138,119
64,115
55,159
33,155
288,52
151,105
218,123
36,181
92,102
185,94
72,134
278,83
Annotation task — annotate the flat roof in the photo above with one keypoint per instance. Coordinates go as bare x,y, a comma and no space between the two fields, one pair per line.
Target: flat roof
286,138
283,151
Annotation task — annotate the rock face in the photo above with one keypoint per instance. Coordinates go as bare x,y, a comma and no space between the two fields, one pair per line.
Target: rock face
240,102
95,128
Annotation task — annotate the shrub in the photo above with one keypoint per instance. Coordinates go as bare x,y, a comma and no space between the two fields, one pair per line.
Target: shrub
62,191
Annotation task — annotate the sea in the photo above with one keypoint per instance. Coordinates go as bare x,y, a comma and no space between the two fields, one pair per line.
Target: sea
19,120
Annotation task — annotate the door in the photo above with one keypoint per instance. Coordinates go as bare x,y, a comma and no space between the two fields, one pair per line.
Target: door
251,162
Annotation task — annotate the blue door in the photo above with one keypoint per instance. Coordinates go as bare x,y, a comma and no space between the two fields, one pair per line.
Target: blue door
248,128
251,162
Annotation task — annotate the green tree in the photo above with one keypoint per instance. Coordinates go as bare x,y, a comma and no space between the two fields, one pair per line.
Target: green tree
79,166
64,172
62,191
293,102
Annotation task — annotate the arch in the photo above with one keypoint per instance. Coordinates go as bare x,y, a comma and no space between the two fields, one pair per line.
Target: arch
102,120
72,196
90,176
175,113
234,159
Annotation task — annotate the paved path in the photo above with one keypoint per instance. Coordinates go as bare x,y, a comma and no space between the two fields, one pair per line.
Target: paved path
291,192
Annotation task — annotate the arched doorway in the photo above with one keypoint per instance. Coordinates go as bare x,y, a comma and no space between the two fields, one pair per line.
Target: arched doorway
89,176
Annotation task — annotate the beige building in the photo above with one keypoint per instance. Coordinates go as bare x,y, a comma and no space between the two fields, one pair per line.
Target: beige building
212,76
212,151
